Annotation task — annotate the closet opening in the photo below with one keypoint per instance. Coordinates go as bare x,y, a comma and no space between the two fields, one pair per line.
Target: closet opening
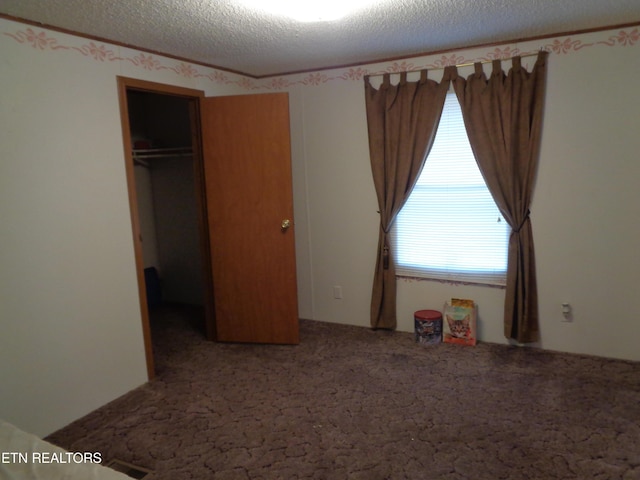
166,191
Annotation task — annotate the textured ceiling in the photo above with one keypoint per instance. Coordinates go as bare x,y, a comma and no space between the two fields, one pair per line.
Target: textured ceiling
229,35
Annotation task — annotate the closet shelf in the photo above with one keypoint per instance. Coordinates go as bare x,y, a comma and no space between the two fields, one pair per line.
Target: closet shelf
143,153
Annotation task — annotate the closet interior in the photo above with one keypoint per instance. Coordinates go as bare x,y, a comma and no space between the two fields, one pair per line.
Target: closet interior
163,155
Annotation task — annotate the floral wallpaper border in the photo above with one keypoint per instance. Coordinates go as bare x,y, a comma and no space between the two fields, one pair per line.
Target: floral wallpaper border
45,40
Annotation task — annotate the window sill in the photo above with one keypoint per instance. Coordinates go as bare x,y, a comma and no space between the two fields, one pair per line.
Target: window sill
410,279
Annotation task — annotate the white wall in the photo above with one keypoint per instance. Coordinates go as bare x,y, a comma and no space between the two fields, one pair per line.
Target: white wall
585,210
177,230
70,330
339,201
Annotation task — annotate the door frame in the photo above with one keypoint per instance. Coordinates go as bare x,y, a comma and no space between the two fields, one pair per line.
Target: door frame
126,84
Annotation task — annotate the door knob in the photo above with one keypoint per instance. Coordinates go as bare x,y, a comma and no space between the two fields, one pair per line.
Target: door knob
286,223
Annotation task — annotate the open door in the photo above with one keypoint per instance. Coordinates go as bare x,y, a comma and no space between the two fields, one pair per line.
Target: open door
249,204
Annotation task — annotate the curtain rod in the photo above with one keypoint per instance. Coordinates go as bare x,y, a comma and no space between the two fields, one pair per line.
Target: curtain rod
459,65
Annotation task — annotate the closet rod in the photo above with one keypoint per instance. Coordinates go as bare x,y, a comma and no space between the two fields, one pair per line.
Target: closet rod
161,155
162,149
162,152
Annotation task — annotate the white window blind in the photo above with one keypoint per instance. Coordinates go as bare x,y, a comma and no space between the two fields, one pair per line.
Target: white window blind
450,228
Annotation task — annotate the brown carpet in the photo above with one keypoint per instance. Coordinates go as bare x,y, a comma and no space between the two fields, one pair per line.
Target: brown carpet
352,403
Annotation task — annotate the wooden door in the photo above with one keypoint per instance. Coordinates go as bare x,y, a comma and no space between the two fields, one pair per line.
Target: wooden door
247,170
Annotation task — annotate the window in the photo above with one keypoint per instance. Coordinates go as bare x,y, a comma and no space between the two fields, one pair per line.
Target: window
450,228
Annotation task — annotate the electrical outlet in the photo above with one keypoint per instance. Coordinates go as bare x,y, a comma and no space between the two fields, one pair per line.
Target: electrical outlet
337,292
567,312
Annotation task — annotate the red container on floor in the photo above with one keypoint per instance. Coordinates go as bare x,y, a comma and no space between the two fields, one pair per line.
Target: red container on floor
428,326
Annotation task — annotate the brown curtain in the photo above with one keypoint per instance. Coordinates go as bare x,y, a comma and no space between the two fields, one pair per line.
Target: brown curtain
503,118
402,121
